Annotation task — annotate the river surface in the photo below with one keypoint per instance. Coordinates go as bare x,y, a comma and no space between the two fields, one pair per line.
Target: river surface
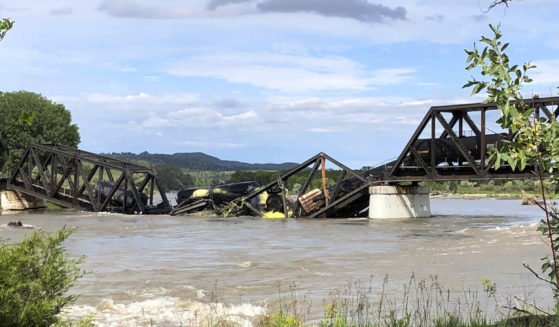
166,271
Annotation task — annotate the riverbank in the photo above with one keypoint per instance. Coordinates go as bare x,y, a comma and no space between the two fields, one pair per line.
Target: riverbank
474,196
495,189
477,196
524,198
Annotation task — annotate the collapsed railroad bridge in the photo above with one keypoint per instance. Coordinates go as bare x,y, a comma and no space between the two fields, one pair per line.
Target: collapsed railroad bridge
451,143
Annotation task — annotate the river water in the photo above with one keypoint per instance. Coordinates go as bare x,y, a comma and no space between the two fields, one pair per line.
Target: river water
168,271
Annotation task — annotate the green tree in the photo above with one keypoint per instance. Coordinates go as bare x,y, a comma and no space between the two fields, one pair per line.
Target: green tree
535,139
35,277
5,26
173,178
28,117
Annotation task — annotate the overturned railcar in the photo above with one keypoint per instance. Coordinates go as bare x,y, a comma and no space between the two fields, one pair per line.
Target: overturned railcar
212,197
219,193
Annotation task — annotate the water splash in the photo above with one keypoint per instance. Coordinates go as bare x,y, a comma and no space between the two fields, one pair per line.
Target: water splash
166,311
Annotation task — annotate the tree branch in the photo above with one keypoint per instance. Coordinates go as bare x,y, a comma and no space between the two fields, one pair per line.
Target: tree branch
496,3
554,284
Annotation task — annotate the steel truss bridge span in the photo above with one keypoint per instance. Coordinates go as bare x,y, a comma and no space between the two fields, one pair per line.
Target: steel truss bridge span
87,181
448,153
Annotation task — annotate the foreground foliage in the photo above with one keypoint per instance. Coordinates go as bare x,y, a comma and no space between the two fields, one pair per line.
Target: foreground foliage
5,26
422,303
35,277
535,139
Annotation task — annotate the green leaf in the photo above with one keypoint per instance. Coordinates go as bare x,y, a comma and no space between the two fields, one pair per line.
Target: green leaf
470,83
497,163
477,88
522,162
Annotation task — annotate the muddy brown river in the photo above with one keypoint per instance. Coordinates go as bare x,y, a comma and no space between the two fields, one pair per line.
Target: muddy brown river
167,271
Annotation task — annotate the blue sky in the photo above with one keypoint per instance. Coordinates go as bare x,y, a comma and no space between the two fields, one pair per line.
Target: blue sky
262,80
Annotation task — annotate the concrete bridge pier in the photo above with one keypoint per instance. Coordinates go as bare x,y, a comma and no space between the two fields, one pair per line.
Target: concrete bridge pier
14,200
395,201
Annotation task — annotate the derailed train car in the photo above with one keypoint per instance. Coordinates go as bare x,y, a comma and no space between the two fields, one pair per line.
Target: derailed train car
220,193
447,152
219,198
119,198
211,197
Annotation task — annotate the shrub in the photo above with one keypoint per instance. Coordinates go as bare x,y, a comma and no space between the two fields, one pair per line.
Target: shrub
35,276
280,319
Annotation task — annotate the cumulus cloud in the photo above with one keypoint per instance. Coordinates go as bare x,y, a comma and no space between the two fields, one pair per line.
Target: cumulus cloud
289,73
206,116
282,116
175,112
107,98
206,123
546,72
139,99
360,10
214,4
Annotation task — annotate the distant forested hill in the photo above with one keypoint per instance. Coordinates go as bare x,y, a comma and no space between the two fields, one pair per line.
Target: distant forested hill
199,161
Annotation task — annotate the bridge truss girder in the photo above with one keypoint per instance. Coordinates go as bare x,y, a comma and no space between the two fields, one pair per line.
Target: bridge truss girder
469,164
87,181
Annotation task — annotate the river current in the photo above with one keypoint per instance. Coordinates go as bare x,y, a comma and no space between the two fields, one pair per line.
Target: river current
168,271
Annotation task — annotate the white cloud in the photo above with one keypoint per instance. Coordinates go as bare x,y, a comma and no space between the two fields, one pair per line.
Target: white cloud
289,73
141,97
391,76
546,72
106,98
321,130
316,115
210,117
151,79
122,68
274,116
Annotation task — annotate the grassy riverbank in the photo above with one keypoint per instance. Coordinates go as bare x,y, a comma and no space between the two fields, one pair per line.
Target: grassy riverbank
420,303
513,189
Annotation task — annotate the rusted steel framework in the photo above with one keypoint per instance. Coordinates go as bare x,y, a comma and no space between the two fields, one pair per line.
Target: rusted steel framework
452,155
87,181
348,196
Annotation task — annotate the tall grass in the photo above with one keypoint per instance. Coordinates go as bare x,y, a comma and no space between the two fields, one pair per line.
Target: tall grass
420,303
